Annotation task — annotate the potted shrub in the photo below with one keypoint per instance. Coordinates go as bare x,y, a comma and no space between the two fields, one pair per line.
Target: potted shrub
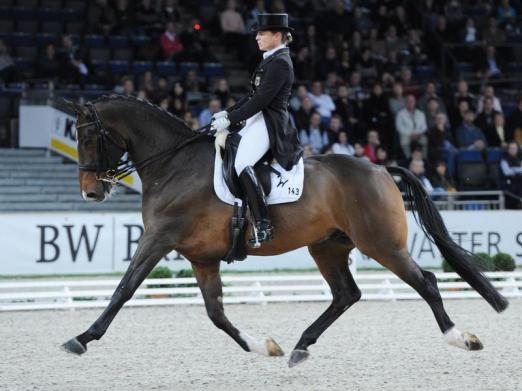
504,262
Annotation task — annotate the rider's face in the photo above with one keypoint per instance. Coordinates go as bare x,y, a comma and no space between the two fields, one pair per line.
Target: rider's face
267,40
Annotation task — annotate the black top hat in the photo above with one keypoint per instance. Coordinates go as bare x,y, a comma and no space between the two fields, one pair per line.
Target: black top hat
271,22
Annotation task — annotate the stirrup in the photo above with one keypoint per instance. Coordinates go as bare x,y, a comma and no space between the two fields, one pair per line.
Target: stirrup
260,234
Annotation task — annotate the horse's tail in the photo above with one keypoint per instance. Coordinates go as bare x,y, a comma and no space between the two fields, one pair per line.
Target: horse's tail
464,262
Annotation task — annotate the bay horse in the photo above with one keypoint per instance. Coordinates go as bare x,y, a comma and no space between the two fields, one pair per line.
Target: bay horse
346,203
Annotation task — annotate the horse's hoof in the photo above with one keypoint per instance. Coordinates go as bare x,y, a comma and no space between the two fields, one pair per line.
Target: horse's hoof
74,346
297,357
273,348
472,342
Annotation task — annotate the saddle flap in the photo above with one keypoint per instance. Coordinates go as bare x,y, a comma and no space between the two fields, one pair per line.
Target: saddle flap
261,168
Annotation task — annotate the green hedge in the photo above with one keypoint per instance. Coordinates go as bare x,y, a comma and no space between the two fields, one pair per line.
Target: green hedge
484,260
504,262
161,272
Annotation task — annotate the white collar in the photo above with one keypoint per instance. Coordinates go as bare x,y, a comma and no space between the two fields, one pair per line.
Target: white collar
272,51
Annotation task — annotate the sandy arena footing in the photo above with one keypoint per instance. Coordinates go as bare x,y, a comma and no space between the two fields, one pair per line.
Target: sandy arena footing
373,346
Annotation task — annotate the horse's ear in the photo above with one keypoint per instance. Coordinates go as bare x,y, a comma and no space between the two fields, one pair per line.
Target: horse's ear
76,107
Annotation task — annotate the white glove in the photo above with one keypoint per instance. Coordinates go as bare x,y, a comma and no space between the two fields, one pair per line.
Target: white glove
220,114
219,124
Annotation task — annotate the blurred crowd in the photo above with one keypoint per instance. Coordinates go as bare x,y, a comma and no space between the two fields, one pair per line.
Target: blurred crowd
368,73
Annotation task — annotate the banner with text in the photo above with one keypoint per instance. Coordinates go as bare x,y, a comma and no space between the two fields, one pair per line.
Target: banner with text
76,243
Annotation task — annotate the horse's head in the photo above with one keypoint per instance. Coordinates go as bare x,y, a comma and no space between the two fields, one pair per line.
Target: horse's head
98,152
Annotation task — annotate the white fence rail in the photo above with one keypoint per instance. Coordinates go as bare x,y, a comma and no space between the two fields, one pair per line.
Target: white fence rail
32,295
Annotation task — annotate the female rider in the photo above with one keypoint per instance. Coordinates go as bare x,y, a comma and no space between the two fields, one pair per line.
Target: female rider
265,110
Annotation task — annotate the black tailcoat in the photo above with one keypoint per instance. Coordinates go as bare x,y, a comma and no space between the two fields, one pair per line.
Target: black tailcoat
271,87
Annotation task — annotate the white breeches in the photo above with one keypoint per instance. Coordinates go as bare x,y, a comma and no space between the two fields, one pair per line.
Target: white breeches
254,143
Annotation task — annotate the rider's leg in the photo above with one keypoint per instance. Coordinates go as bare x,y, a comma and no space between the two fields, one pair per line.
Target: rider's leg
253,145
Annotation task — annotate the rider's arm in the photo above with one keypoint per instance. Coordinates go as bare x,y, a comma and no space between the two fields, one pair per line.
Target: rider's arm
276,76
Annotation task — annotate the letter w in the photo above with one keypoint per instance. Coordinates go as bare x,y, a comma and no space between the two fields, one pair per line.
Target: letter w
83,237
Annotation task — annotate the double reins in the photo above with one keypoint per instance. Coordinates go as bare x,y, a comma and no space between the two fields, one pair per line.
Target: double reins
124,168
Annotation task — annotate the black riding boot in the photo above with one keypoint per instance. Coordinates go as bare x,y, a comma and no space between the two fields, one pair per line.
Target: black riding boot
256,200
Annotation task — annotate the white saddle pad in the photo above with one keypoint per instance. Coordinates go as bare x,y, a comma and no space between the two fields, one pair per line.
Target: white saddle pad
287,187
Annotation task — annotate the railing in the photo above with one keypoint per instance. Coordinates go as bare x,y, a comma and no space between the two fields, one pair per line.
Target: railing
33,295
466,200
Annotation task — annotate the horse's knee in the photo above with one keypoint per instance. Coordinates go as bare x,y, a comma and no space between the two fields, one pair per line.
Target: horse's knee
345,300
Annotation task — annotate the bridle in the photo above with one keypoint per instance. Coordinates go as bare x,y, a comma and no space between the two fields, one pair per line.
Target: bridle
112,173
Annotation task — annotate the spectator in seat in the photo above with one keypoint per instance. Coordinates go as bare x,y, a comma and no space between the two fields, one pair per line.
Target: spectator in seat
378,115
314,135
505,12
432,110
468,135
397,101
48,66
170,42
323,102
101,18
441,180
334,127
382,156
148,20
463,94
492,35
489,92
500,129
214,105
486,122
411,126
344,107
192,122
514,124
297,97
170,11
125,23
342,146
417,168
490,65
470,34
73,61
222,91
330,63
431,93
511,170
8,72
303,115
370,149
193,83
126,87
441,144
233,26
359,151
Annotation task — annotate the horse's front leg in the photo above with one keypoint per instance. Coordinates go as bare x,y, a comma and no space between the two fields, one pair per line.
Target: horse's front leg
150,250
209,282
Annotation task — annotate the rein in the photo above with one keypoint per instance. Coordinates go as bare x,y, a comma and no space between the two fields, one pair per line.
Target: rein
124,168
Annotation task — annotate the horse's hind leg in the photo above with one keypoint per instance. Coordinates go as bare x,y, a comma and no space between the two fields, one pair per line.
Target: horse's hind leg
332,259
209,281
425,283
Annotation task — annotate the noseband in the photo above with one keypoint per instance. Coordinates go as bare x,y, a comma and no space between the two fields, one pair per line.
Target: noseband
111,173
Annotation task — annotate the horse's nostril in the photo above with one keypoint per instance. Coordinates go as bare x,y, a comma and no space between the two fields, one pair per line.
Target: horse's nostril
91,195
